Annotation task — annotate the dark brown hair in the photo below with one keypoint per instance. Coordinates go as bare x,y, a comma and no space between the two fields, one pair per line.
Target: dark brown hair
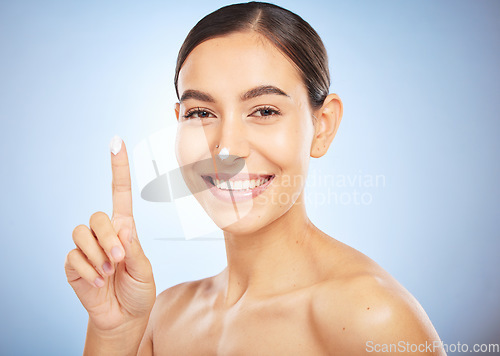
287,31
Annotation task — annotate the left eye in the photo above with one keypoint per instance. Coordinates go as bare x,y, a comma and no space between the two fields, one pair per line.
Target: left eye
198,114
265,111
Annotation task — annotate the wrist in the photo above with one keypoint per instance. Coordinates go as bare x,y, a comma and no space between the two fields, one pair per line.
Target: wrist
123,340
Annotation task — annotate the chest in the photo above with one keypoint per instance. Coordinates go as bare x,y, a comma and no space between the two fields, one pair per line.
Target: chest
280,326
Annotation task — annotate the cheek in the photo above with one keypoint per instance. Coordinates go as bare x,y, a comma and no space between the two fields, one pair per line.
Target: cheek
290,148
192,153
191,144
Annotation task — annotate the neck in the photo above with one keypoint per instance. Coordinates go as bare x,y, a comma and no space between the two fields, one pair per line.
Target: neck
271,260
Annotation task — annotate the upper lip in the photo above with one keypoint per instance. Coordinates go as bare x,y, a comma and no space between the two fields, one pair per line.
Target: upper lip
237,177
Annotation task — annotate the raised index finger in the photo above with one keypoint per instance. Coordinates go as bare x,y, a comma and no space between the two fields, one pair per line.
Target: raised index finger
121,185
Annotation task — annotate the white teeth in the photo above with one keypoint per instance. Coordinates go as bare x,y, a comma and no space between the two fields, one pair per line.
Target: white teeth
239,184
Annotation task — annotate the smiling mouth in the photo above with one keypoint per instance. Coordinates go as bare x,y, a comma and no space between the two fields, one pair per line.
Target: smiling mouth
239,187
236,184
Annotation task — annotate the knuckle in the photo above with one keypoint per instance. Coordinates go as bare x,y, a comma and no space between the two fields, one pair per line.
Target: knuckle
98,217
79,231
121,186
149,268
71,257
66,261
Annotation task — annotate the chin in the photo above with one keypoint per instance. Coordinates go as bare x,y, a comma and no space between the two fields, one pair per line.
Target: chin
248,214
242,218
246,226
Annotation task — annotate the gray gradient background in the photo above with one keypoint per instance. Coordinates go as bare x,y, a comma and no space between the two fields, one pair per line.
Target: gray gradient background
420,82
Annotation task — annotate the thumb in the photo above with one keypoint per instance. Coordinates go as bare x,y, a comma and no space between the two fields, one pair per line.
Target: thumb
136,262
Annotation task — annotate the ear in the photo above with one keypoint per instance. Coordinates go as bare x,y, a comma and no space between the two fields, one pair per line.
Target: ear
328,119
177,108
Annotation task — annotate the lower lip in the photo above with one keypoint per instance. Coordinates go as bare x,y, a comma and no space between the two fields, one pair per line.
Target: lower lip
237,196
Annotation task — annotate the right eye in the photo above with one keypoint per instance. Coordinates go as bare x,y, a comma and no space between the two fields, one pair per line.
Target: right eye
198,113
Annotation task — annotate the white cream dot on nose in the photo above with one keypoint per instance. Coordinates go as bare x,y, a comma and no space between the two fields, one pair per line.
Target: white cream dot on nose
224,153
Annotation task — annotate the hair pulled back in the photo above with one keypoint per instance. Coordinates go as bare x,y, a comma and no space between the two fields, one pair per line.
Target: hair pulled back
293,36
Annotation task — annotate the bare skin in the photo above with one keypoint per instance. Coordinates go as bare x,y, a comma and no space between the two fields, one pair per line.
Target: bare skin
288,288
110,273
332,302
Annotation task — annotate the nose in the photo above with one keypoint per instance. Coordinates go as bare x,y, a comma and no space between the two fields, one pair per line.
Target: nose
232,139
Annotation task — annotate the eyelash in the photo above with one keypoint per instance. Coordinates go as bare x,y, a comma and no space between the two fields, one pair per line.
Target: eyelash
199,110
267,108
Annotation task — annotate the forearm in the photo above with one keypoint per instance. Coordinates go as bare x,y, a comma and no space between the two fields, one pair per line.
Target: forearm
124,341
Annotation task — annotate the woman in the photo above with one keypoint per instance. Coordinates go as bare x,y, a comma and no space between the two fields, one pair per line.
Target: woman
254,105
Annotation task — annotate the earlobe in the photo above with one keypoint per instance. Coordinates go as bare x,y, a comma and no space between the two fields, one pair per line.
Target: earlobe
328,119
177,108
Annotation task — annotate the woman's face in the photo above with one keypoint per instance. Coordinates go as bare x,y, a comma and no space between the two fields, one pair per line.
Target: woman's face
241,93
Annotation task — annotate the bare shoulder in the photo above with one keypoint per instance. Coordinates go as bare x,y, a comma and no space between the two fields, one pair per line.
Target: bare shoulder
361,308
169,305
174,300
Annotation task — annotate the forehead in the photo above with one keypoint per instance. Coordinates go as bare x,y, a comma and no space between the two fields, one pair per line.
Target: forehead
236,62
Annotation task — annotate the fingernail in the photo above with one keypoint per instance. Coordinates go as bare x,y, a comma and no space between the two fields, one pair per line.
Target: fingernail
106,267
115,145
117,253
99,282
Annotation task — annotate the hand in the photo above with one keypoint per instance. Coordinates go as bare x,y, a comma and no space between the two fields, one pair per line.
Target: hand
108,269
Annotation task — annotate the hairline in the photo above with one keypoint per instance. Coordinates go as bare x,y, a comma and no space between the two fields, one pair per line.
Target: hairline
252,28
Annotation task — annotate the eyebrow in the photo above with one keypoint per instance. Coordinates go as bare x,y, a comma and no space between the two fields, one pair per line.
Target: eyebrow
197,95
263,90
252,93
